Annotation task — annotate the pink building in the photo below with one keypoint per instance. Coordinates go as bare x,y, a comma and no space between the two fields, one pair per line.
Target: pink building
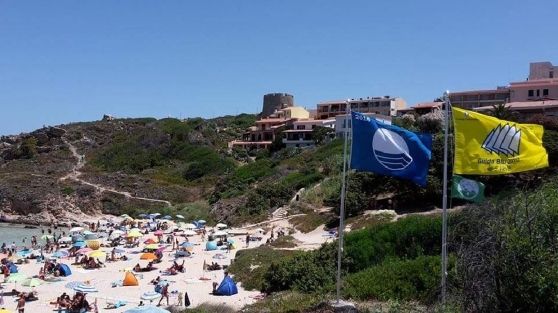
534,90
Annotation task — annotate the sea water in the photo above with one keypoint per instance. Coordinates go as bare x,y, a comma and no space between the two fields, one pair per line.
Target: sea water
16,233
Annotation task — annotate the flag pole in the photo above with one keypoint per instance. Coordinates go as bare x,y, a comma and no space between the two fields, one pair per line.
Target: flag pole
341,227
445,200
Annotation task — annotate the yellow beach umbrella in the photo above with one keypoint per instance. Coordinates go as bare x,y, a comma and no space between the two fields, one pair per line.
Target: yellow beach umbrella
5,311
97,254
152,247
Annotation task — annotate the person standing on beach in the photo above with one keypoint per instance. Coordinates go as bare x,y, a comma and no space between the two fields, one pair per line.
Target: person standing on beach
247,240
164,294
21,304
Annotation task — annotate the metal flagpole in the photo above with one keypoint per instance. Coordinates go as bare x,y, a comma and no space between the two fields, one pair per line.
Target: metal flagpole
342,205
445,199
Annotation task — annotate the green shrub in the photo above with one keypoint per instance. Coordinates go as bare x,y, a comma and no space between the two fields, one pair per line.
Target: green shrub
508,252
415,279
250,265
407,238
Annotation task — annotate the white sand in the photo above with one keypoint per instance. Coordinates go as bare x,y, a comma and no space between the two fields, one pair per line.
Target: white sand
199,291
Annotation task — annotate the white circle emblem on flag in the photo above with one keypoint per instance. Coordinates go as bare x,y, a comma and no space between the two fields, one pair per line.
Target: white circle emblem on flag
391,150
468,188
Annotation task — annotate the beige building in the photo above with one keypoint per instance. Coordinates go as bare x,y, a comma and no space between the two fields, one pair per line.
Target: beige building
542,70
266,129
534,90
528,108
377,105
301,133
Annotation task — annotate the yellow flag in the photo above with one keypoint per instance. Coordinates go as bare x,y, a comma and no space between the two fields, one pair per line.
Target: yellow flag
485,145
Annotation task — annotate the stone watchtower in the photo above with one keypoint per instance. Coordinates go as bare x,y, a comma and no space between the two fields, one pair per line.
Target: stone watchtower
276,101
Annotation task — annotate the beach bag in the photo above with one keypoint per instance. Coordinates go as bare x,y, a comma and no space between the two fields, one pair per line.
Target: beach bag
186,300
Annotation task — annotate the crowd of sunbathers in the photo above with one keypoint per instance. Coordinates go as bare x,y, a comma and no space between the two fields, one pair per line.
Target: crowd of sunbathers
76,304
148,268
89,262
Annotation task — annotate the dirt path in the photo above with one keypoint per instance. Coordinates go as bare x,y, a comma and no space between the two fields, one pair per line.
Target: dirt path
75,174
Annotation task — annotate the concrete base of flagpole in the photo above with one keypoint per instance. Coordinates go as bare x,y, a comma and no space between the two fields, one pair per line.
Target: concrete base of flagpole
343,307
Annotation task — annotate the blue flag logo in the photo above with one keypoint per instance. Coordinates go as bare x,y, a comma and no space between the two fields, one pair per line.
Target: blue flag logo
389,150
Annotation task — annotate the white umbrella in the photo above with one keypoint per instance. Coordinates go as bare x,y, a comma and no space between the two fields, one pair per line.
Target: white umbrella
180,216
190,232
85,288
221,225
189,226
220,233
65,239
76,229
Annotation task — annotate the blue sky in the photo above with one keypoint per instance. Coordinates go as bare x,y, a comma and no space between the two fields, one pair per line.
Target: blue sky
63,61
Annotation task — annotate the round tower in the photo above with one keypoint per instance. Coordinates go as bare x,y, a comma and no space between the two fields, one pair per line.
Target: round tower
276,101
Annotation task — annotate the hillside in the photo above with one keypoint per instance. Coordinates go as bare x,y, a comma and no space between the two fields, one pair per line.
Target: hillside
184,167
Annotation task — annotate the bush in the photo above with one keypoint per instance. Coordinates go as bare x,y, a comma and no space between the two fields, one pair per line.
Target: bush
508,252
28,148
416,279
406,238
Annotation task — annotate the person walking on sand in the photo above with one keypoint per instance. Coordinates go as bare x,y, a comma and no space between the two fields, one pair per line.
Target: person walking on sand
164,294
247,241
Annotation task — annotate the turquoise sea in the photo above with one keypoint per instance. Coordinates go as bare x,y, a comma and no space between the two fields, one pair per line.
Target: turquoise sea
15,233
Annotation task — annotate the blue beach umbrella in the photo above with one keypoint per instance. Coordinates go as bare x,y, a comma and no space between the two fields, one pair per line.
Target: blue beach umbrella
79,244
60,254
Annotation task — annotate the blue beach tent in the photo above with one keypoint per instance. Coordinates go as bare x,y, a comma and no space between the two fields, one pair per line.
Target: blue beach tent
64,270
211,245
227,287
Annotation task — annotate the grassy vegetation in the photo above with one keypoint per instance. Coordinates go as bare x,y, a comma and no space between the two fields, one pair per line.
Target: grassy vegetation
310,221
210,308
414,279
364,221
287,302
283,242
250,265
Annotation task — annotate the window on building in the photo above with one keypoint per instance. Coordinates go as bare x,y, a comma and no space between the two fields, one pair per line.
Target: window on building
531,93
538,92
313,126
300,127
545,92
551,74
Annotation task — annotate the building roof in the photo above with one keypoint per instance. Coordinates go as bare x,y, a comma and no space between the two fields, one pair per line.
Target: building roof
298,131
498,90
427,105
524,105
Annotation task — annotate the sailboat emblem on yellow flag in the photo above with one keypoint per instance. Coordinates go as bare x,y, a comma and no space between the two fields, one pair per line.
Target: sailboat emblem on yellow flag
485,145
503,140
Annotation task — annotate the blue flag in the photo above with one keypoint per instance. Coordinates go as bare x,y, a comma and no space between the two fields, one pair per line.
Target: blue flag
389,150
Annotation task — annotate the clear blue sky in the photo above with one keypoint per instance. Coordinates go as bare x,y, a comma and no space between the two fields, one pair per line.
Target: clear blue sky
63,61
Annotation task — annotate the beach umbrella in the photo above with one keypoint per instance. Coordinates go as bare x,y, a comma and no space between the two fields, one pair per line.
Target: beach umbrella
84,250
158,233
60,254
180,216
152,247
87,232
98,254
221,225
65,239
202,221
91,236
15,278
79,244
146,309
78,237
32,282
124,215
189,226
150,241
118,250
45,237
155,214
134,234
148,256
76,229
85,288
220,233
167,217
186,244
190,232
230,240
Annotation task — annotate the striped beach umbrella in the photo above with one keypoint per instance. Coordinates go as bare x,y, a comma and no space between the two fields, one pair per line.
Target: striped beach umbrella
85,288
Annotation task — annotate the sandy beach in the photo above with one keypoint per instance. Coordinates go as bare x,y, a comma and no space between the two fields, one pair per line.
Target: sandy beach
199,290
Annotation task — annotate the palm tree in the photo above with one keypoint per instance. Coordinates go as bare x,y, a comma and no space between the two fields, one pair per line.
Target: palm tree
501,111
